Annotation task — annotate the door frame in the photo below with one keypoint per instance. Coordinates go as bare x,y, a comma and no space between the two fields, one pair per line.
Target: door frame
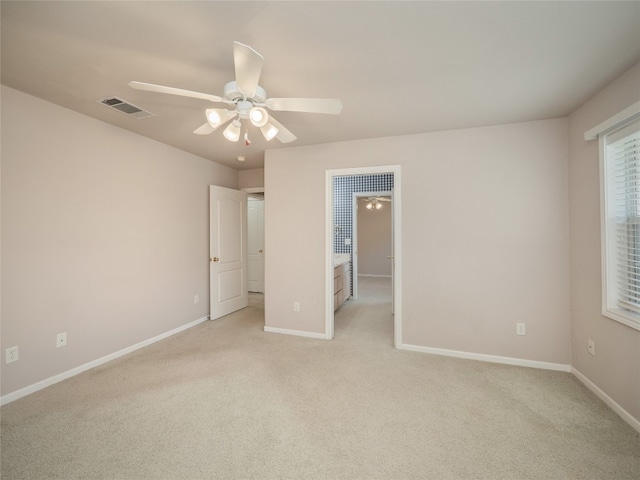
397,244
354,221
253,189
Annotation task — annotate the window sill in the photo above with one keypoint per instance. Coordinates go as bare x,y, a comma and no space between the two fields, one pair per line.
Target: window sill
625,317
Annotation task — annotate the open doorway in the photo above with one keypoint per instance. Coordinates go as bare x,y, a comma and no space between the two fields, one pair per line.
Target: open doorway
339,239
255,246
372,237
255,243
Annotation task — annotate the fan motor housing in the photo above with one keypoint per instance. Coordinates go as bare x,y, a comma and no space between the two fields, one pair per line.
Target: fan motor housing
233,93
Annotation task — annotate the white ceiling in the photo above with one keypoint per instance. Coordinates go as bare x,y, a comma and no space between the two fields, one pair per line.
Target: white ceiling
398,67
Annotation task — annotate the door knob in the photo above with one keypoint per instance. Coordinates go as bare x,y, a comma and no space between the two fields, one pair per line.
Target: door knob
390,257
215,259
260,251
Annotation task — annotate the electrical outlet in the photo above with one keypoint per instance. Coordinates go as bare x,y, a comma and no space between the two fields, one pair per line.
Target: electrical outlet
520,329
61,340
196,299
12,354
296,306
591,347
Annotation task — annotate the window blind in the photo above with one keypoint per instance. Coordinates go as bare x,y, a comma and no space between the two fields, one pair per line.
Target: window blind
623,157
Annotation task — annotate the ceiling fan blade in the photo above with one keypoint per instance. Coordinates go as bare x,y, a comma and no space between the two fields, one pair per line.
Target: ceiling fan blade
307,105
204,129
174,91
248,65
284,135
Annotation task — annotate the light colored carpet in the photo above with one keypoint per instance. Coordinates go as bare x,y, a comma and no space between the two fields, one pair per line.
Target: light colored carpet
224,400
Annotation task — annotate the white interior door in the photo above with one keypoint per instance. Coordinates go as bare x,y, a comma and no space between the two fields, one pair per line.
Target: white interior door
255,245
227,250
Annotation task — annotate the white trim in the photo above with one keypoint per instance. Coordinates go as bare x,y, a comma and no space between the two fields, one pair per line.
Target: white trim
626,416
297,333
397,233
397,257
251,190
608,282
613,122
630,319
328,255
10,397
604,240
611,403
520,362
372,275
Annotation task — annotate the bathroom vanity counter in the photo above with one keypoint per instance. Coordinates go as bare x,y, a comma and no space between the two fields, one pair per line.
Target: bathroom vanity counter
341,279
340,258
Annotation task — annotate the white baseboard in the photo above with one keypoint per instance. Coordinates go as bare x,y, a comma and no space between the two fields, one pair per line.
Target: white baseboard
298,333
372,275
488,358
10,397
626,416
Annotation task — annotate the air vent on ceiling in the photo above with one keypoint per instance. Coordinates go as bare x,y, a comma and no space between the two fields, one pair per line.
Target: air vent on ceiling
126,107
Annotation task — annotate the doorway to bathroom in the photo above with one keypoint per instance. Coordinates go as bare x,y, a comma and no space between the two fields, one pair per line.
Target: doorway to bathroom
340,187
372,254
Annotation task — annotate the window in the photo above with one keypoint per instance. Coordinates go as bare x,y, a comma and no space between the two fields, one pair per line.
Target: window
620,157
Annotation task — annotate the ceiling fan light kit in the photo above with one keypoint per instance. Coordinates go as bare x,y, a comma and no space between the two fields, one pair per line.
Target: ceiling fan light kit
218,116
248,100
259,116
232,132
269,131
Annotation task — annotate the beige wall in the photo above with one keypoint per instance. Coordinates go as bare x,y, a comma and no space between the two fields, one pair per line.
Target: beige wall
615,368
104,236
374,239
486,245
251,178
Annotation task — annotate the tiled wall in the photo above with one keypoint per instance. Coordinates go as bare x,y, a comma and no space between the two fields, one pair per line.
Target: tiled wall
343,190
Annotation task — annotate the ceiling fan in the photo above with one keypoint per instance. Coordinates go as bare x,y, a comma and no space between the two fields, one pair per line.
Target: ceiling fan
248,101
